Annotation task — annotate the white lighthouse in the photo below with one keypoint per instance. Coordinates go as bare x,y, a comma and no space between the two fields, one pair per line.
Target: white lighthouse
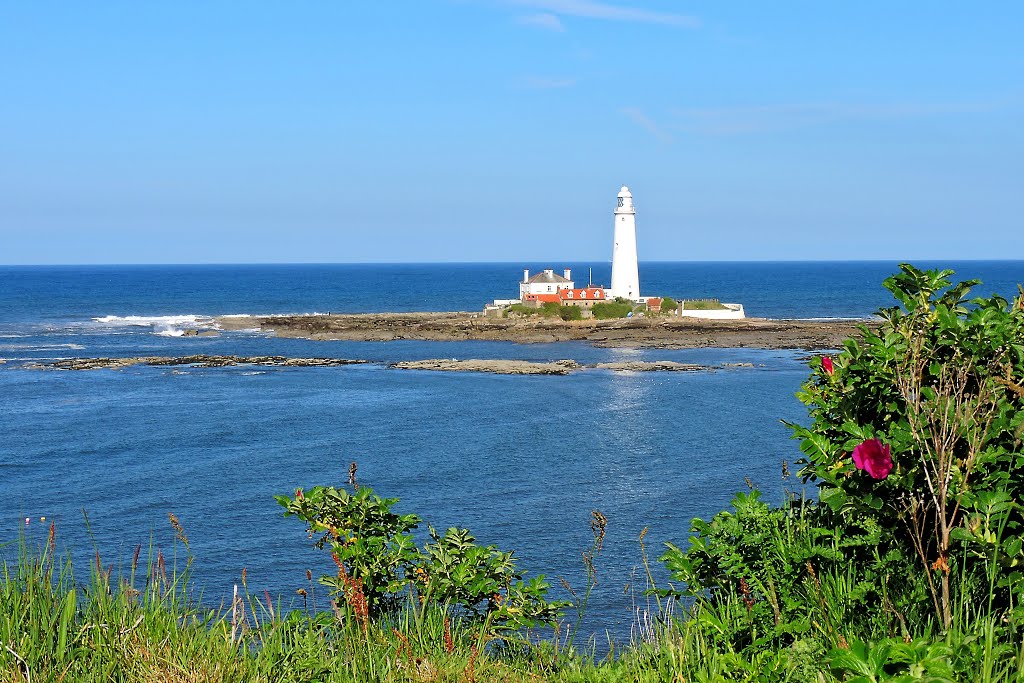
625,273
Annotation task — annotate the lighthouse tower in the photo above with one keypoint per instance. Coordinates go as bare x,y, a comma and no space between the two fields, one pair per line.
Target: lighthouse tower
625,274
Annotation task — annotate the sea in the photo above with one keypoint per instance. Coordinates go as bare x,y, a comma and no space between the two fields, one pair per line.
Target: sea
522,461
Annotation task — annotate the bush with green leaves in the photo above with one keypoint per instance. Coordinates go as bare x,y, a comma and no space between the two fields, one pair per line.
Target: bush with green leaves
571,313
552,309
549,309
939,386
482,581
372,545
380,568
608,310
767,578
915,444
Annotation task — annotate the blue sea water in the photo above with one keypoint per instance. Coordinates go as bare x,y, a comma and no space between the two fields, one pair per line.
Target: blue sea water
521,461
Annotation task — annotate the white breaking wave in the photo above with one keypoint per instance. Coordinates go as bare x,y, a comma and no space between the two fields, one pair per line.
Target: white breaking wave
162,325
144,320
41,347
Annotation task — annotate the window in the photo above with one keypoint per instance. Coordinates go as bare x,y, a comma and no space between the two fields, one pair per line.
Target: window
569,294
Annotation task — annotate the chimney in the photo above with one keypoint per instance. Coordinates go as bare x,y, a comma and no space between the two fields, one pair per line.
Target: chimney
549,271
568,274
526,274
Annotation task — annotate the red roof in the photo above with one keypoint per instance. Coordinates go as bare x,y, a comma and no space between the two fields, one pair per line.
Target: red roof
583,294
543,298
654,302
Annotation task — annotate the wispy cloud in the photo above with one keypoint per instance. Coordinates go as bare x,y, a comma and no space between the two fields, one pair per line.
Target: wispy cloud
773,117
545,83
544,20
592,9
639,118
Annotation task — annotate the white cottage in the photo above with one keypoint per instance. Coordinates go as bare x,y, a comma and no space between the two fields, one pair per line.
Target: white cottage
544,282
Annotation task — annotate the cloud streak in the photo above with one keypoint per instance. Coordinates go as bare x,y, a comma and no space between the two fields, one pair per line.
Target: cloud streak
639,118
544,20
592,9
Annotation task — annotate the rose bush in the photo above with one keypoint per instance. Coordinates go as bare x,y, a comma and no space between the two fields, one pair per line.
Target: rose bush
939,382
914,443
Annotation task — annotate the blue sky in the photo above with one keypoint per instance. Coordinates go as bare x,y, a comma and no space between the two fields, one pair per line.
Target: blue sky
500,130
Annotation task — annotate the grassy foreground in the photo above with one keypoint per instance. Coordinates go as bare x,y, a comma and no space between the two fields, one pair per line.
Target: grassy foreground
142,626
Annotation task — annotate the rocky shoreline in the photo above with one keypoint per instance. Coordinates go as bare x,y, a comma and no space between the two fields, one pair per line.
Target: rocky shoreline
655,332
500,367
197,361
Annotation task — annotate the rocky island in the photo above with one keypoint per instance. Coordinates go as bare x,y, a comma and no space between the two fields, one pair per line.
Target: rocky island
640,332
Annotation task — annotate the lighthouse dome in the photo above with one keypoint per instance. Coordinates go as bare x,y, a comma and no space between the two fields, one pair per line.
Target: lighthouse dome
624,192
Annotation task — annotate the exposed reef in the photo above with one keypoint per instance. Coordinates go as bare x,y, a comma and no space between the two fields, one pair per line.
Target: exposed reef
500,367
198,361
494,366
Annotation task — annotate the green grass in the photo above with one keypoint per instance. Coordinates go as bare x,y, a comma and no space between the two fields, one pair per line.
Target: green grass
548,310
704,305
141,625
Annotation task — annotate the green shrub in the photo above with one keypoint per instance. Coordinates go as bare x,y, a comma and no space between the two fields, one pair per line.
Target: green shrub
549,309
915,444
610,310
371,545
939,385
481,581
378,561
521,309
669,304
570,313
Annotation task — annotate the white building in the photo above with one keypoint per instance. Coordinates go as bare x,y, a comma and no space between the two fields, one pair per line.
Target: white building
544,282
625,272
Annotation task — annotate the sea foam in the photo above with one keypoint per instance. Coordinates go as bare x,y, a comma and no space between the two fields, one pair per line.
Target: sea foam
41,347
163,325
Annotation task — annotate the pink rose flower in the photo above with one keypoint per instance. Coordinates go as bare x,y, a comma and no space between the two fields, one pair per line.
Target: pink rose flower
826,365
873,457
